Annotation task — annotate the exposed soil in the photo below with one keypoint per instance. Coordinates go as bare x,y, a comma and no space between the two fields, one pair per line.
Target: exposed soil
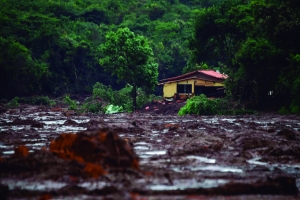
53,153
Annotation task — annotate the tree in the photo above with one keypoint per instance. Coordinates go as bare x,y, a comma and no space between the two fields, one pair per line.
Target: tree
129,57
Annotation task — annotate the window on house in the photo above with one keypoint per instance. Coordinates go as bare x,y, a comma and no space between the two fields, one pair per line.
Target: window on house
184,88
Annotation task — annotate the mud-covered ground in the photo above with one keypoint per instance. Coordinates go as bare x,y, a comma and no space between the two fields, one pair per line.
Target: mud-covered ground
152,154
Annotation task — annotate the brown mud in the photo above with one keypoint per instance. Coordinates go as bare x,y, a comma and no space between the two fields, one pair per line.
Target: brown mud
48,153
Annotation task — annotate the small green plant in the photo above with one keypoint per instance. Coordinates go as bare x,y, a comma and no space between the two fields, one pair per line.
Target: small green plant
37,100
92,105
295,106
52,103
243,111
283,111
122,97
110,109
42,100
14,103
70,102
200,105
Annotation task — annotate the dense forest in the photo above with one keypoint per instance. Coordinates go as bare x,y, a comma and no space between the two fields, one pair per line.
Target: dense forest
54,47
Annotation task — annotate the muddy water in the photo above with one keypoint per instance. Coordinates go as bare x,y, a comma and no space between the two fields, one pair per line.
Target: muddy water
191,157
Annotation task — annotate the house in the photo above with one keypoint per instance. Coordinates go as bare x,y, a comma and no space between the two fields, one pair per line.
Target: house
208,82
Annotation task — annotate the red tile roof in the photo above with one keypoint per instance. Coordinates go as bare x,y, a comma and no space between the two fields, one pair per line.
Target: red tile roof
211,73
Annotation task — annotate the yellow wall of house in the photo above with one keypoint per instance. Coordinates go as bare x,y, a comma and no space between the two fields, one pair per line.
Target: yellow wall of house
170,89
186,82
219,84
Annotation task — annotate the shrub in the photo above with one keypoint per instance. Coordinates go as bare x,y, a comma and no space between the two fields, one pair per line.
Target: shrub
92,105
199,105
283,111
110,109
70,102
121,98
104,92
42,100
14,103
37,100
295,106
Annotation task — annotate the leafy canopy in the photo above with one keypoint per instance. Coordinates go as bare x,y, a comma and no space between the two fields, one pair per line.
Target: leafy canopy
129,57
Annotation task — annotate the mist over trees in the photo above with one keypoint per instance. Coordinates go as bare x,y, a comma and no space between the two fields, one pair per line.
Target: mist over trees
53,47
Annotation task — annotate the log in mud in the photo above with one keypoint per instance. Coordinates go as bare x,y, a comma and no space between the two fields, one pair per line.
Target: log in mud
46,154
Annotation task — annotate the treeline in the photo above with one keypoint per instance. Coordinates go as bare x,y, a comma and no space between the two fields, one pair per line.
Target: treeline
53,47
256,42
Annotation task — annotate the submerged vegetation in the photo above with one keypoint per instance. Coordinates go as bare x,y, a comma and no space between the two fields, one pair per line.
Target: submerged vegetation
53,48
107,100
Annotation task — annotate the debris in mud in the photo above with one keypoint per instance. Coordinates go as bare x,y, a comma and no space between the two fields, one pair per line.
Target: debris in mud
21,151
148,154
68,113
103,147
162,107
70,122
19,121
289,134
270,186
2,109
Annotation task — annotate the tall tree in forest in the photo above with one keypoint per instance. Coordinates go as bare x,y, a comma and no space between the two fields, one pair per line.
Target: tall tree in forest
129,57
257,42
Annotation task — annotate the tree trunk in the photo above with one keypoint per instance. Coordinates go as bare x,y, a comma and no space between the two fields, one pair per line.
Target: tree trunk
134,97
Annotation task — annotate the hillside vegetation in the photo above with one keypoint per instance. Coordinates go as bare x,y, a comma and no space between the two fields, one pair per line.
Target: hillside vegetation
53,47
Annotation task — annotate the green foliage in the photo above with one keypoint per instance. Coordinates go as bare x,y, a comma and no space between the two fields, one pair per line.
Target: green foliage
295,106
116,97
121,98
38,100
91,105
130,58
258,59
111,109
43,100
20,73
52,47
34,100
283,111
72,103
156,11
254,43
14,103
190,67
200,105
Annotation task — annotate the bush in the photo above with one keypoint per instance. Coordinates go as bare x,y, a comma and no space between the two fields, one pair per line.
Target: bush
14,103
92,105
41,100
199,105
295,106
283,111
37,100
110,109
121,98
70,102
